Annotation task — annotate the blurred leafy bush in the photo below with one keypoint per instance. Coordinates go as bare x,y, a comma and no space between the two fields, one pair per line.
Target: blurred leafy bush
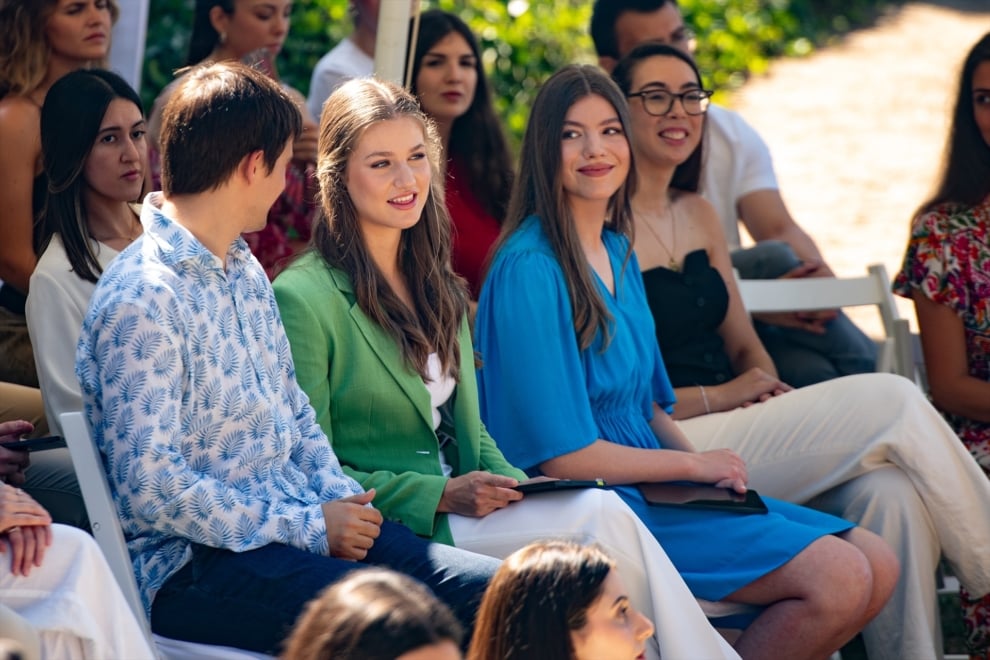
524,41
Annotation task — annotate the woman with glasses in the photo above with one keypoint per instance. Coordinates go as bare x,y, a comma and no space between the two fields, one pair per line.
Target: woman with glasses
862,447
573,385
377,325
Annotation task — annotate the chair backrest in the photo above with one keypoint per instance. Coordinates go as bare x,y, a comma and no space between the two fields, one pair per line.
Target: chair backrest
100,508
105,525
814,293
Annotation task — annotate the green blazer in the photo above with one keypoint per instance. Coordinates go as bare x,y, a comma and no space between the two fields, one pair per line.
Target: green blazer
374,409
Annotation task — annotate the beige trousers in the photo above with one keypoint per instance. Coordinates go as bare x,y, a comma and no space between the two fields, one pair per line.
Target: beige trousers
871,449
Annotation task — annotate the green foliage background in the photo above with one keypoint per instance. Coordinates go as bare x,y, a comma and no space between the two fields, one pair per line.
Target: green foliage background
522,47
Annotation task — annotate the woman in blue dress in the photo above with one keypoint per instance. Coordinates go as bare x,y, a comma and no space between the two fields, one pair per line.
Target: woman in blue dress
573,385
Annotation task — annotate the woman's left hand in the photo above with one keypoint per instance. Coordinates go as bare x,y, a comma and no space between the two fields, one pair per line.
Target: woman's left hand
25,529
27,547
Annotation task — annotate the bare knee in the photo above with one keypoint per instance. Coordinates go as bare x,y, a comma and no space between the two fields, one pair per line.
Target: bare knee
838,579
884,567
831,578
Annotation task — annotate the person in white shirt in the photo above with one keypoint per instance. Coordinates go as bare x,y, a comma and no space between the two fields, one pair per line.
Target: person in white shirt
882,500
353,57
738,179
233,504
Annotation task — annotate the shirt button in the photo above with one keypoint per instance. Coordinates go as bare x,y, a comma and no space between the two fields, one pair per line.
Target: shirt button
708,358
721,378
701,302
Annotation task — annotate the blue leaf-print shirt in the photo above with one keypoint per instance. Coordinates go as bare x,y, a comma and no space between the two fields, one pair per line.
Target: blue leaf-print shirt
190,391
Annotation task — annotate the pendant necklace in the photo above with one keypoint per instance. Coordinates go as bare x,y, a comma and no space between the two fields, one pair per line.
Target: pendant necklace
672,262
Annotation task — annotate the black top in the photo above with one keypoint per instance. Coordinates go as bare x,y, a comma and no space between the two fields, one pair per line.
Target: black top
688,308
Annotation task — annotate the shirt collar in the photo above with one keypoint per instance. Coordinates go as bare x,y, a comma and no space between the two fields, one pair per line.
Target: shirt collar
176,243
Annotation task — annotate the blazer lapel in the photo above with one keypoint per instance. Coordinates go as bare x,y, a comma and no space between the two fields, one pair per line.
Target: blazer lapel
387,351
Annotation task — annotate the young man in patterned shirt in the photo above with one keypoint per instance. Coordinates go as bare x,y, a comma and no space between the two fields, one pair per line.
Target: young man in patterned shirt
234,506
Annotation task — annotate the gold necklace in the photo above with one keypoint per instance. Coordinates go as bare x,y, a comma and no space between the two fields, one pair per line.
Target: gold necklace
672,263
131,235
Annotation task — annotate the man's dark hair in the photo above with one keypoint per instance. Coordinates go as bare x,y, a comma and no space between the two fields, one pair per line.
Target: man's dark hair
217,115
607,12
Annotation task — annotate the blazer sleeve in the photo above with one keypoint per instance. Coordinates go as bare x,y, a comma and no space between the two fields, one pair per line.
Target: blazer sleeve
492,459
409,497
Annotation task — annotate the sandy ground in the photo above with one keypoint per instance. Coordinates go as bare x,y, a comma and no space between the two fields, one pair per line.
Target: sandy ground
857,130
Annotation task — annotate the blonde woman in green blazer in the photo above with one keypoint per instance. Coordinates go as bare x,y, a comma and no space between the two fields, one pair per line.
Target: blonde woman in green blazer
376,320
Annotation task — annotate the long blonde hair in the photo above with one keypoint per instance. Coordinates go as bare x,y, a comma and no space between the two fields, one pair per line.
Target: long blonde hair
24,50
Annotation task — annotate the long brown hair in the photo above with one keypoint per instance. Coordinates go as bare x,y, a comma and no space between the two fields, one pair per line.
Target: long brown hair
439,295
965,176
476,137
536,599
538,191
70,123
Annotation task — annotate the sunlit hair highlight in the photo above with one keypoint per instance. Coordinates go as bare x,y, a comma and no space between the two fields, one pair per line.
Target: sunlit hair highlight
439,295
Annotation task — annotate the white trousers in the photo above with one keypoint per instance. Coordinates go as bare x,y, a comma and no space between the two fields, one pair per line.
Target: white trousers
72,600
585,516
826,444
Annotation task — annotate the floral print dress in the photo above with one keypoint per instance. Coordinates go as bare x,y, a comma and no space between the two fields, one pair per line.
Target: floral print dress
948,261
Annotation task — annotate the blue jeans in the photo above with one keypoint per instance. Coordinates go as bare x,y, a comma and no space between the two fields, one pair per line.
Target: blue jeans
251,600
804,358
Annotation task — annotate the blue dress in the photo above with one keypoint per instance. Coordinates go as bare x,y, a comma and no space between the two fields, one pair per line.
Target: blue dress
542,397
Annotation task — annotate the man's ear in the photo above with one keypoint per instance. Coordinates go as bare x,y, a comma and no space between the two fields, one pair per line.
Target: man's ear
253,167
608,63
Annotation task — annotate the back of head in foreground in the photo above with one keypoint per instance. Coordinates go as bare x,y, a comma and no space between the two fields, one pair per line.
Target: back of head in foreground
374,614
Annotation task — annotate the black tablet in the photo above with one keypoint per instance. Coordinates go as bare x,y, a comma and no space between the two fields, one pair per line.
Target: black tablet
35,444
702,496
544,485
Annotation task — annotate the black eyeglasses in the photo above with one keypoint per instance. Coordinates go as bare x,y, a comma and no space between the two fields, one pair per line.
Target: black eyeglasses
658,102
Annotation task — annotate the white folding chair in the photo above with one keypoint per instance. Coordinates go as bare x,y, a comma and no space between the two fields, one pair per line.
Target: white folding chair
815,293
106,530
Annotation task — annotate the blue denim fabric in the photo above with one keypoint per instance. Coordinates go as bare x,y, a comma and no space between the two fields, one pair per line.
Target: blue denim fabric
804,358
251,599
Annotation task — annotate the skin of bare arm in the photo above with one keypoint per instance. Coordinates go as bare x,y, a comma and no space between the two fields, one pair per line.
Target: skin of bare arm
20,153
766,218
757,379
943,342
618,464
